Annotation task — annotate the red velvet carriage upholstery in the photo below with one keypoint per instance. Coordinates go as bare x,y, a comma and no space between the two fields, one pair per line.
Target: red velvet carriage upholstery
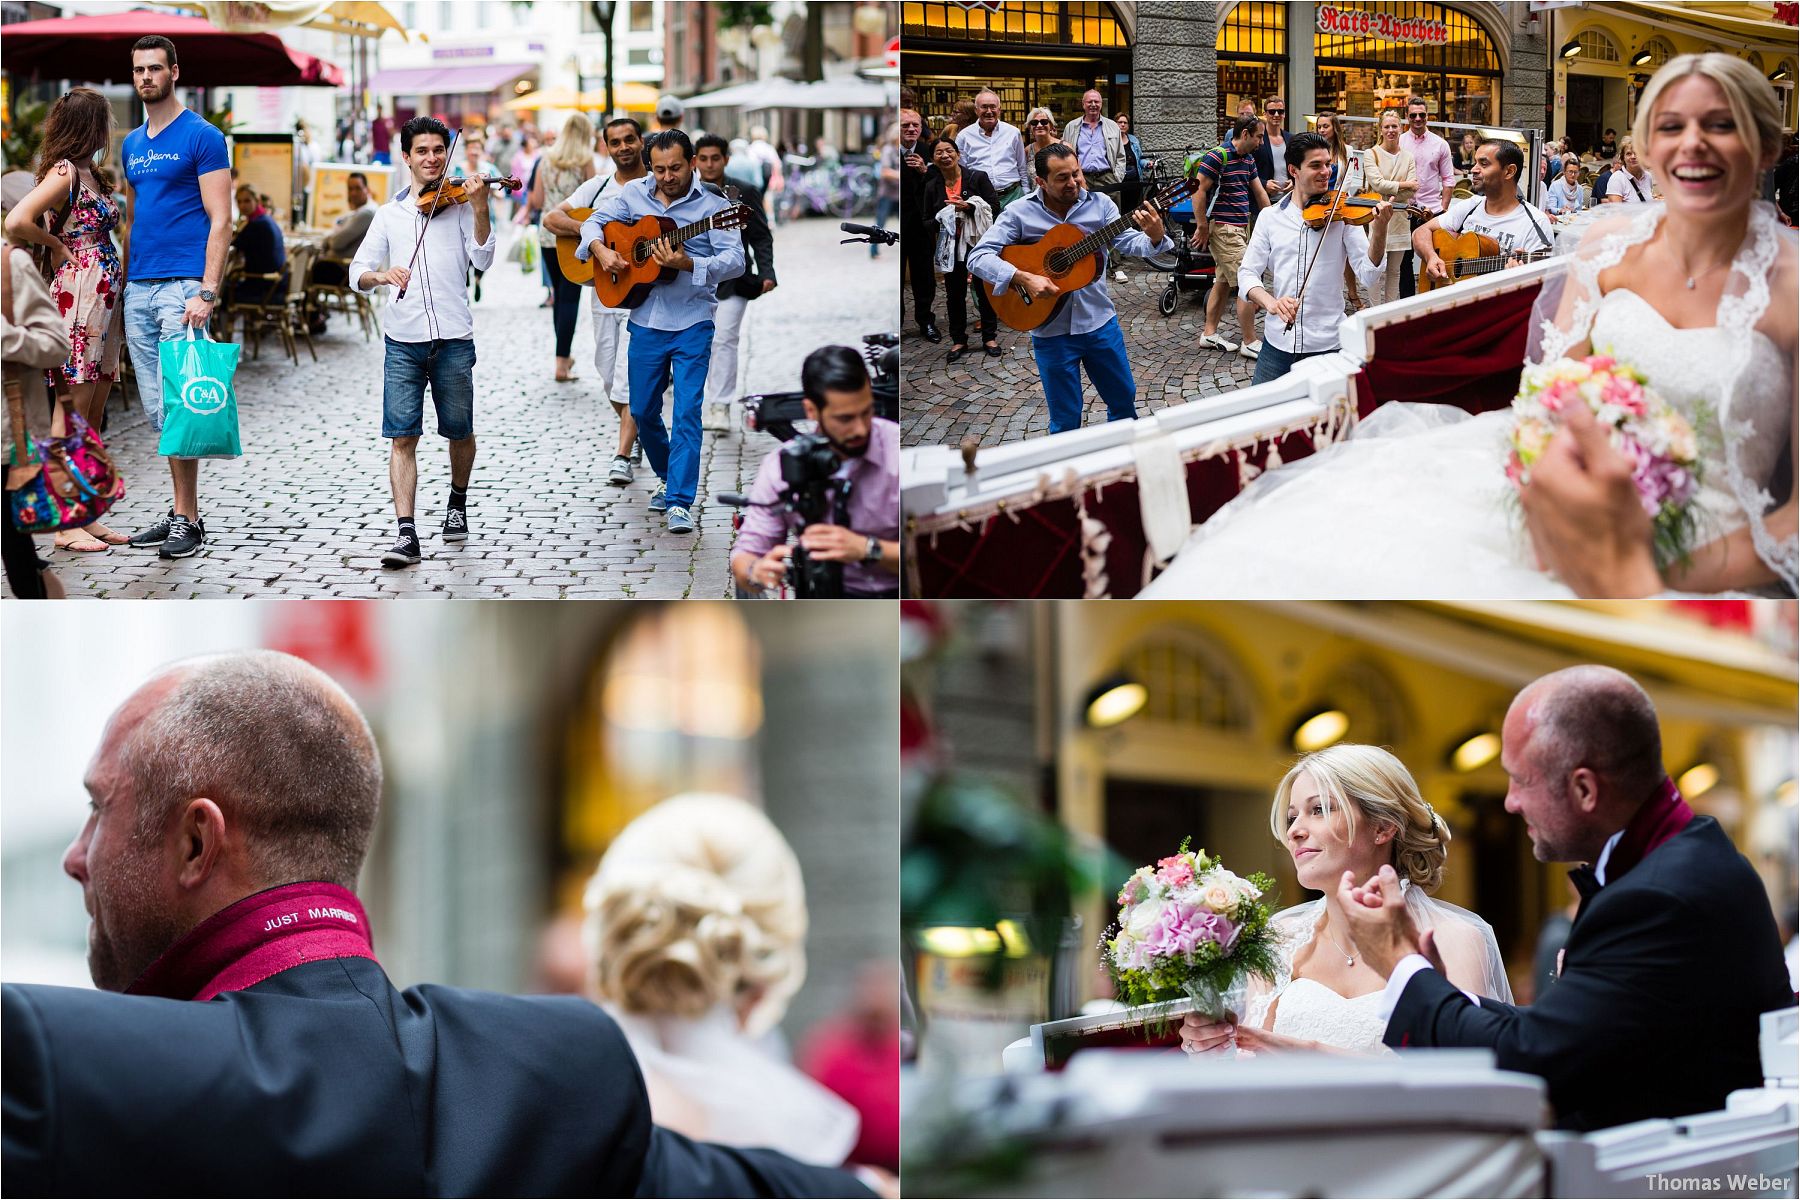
1461,346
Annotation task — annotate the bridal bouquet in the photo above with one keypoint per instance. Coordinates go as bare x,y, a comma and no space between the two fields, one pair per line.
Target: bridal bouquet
1659,442
1190,929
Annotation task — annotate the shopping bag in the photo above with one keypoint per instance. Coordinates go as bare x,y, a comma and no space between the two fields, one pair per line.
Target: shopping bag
200,418
525,251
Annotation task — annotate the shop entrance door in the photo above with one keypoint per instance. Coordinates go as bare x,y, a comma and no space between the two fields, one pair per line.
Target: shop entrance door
1587,111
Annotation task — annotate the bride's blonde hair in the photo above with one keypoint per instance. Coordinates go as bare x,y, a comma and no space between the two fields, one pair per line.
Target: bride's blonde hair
697,903
1750,96
1362,779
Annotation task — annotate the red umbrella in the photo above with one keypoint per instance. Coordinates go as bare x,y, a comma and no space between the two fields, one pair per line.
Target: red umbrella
97,47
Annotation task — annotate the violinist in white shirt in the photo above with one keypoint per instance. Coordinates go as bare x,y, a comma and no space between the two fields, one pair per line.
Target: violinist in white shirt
1306,264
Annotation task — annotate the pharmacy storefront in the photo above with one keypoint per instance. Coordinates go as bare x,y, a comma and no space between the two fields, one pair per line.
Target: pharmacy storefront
1362,58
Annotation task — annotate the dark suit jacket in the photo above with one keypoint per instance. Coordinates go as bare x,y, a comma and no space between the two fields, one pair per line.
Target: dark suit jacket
912,183
325,1080
1265,159
759,248
975,183
1665,973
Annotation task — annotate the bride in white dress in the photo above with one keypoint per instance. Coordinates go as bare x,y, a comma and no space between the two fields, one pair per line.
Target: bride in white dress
696,940
1350,808
1698,292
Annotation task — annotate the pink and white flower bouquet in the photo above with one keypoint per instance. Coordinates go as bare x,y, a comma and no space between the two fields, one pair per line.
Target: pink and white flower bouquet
1654,437
1189,929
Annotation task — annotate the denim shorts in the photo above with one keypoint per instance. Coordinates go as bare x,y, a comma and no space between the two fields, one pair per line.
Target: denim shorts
448,365
153,315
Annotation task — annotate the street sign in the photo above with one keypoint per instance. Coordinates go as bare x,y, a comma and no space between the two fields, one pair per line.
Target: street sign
893,53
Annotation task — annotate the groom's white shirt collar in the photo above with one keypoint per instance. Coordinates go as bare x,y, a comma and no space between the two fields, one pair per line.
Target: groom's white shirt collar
1605,853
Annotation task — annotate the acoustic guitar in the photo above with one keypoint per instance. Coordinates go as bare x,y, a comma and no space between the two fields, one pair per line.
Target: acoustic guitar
635,239
1070,256
1467,254
573,269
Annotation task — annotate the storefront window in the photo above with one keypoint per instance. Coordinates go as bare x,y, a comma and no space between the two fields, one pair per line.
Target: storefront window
1087,23
1030,52
1252,50
1596,47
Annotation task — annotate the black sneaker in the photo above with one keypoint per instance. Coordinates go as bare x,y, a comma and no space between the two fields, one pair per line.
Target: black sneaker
456,525
185,538
154,535
404,553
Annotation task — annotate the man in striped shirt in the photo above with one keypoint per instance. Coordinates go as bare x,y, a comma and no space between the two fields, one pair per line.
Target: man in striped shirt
1228,184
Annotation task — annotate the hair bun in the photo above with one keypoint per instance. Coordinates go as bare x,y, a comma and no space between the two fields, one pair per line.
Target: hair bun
697,903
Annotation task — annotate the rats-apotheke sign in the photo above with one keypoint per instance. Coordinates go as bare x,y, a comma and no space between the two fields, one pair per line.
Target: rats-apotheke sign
1358,22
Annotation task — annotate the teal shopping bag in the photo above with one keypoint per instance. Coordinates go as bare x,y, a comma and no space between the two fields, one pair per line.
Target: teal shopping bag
199,406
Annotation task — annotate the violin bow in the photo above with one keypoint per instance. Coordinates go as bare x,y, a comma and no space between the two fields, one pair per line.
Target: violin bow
437,198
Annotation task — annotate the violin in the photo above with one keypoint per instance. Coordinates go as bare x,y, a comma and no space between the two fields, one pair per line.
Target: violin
1352,208
446,193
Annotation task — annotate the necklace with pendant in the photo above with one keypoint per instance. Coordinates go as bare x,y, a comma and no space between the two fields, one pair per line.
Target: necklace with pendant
1349,959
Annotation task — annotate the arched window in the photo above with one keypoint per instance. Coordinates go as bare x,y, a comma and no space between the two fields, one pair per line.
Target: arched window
1192,682
672,705
1596,47
1374,703
1660,52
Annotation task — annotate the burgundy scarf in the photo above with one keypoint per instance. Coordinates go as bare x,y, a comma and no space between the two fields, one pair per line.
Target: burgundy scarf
261,935
1662,817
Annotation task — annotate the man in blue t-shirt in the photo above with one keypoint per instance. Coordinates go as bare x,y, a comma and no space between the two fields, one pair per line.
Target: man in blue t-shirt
1228,186
176,232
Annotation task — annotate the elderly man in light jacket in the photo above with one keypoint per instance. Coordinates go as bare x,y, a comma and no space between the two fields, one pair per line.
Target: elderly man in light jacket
1094,137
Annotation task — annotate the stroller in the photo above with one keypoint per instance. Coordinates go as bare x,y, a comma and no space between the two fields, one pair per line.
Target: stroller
1190,267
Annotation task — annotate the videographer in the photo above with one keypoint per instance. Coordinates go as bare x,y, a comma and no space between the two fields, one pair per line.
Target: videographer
866,449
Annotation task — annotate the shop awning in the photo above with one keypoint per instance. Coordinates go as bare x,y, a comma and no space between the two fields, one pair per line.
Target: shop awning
1772,37
789,93
97,48
447,79
1688,669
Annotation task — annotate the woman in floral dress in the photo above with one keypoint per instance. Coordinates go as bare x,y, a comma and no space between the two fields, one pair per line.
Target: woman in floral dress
89,277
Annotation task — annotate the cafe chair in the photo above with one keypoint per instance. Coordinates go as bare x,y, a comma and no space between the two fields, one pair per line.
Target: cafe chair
342,298
284,314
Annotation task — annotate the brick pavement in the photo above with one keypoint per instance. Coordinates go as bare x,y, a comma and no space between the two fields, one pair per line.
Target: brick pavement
998,400
306,511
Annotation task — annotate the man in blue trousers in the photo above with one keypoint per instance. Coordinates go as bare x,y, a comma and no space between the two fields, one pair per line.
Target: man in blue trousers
672,330
1085,330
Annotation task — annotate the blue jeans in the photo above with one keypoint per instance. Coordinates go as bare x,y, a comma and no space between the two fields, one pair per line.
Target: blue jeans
153,314
1102,352
654,356
1272,362
448,364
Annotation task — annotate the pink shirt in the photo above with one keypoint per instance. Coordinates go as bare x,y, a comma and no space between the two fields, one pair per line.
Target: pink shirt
874,506
1436,171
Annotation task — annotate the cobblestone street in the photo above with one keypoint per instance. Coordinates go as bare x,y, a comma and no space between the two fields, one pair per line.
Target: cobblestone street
997,400
306,510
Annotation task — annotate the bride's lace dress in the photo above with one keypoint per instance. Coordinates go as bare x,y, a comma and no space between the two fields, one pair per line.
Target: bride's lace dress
1417,504
1310,1010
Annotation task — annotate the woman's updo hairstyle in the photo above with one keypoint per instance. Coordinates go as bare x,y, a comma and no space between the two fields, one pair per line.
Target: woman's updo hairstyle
696,904
1368,781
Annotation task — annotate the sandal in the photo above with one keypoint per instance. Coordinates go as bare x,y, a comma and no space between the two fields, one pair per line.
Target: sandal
111,537
82,543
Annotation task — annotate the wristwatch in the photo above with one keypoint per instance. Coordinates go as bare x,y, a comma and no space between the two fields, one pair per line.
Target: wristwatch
208,295
873,553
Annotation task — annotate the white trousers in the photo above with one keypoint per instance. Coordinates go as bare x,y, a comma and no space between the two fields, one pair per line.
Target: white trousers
722,372
611,338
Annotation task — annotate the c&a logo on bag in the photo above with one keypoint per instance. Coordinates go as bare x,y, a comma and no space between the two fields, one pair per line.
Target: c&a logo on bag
204,396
